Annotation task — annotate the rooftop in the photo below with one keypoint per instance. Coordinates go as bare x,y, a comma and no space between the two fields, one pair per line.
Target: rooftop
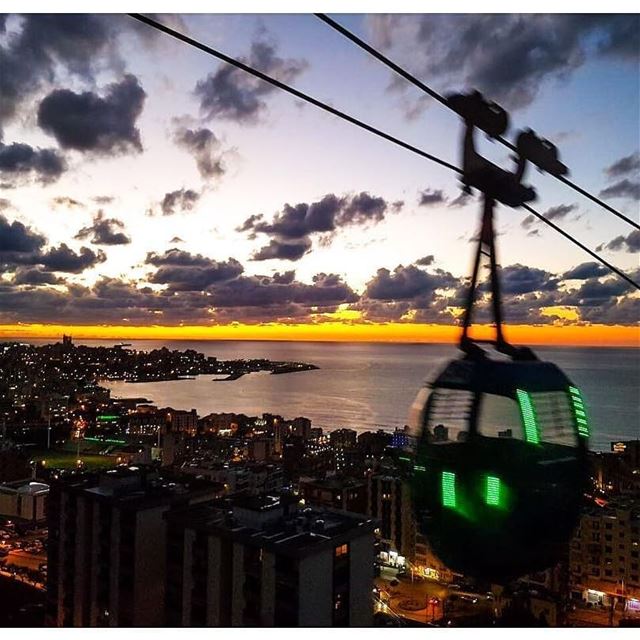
287,529
139,487
333,482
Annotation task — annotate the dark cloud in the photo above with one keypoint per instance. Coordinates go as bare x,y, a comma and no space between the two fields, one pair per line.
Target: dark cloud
381,311
250,224
78,44
5,204
277,250
66,260
21,245
406,283
629,243
624,166
530,296
177,258
519,279
560,211
624,188
109,300
16,238
90,123
528,221
429,197
426,261
552,213
363,209
277,298
66,202
409,294
19,160
292,228
461,200
286,277
103,199
107,231
585,271
179,201
282,289
596,292
524,54
205,147
202,291
183,271
232,94
616,310
35,276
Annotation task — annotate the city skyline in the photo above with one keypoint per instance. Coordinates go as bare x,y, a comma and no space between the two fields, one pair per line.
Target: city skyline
181,201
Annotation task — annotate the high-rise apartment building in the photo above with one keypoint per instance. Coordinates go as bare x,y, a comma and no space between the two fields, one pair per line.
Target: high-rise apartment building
605,553
106,553
266,561
348,494
389,502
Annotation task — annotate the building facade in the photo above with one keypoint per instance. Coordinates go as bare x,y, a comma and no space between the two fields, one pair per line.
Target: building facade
265,561
389,502
604,559
106,552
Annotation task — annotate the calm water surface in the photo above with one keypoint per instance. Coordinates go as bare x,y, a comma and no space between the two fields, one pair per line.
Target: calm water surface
367,385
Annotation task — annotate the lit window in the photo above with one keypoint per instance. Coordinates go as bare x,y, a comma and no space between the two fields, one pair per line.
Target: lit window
342,550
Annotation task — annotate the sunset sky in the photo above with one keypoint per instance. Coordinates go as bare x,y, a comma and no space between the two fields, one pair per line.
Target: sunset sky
147,190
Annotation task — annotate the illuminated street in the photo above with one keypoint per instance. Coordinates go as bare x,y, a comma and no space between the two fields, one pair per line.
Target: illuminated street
427,601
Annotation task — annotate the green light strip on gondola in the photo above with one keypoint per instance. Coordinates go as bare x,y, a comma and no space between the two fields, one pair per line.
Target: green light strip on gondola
579,412
492,491
449,489
528,414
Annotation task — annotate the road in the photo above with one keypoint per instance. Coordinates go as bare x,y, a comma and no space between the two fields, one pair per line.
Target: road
415,600
21,558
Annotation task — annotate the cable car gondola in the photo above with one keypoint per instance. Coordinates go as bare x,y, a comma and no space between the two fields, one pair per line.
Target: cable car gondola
501,439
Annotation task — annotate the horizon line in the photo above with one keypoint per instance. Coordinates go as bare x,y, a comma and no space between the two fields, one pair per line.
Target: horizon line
393,332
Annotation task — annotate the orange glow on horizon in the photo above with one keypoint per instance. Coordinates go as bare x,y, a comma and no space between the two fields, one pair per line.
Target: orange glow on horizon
577,335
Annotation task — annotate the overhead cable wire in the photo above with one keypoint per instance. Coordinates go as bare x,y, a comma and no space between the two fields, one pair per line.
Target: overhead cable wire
363,125
436,96
295,92
593,254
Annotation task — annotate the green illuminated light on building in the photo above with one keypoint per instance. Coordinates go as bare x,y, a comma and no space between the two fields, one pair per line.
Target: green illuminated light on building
579,412
108,418
449,489
492,491
420,468
107,440
531,432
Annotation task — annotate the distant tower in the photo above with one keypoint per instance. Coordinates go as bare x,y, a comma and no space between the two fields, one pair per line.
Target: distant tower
67,341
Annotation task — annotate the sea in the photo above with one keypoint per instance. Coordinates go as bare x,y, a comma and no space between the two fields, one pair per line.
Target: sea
367,386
